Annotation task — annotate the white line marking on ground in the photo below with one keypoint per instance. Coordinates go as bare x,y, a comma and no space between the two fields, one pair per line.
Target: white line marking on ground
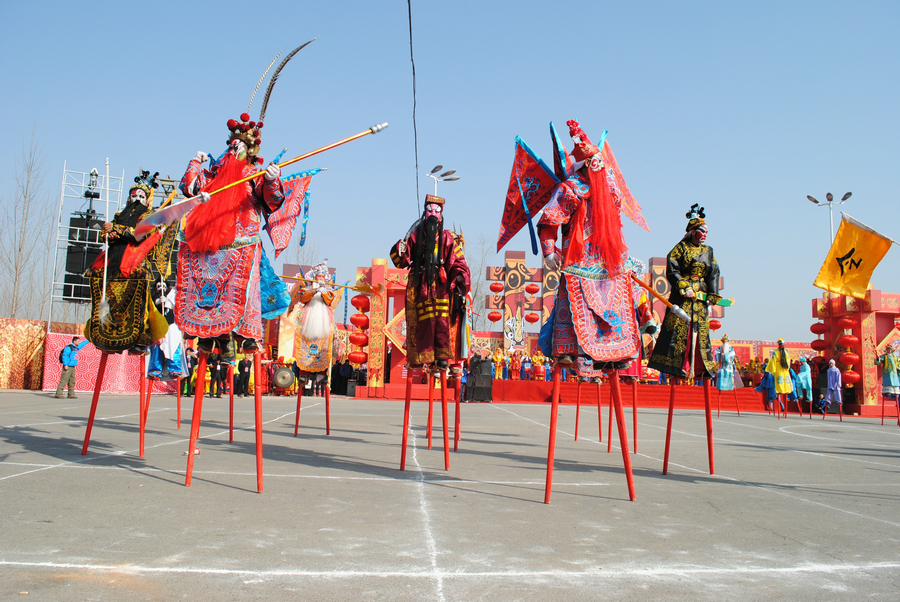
426,520
608,573
735,479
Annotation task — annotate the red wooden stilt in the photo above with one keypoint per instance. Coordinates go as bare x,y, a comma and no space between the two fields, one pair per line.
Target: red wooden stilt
150,382
445,420
101,370
430,424
230,380
577,409
737,406
178,398
600,412
709,432
719,398
457,392
200,386
669,428
551,450
609,426
257,377
634,410
841,411
616,394
409,381
297,416
141,418
327,410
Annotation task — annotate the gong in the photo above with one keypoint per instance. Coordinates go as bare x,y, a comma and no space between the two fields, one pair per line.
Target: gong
284,378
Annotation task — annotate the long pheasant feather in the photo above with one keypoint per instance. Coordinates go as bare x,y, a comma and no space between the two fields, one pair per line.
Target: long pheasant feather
259,83
262,112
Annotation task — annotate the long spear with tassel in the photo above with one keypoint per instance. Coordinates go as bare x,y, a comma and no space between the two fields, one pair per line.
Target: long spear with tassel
178,210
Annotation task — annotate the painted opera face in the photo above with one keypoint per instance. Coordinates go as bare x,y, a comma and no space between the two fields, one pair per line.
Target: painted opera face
698,235
138,195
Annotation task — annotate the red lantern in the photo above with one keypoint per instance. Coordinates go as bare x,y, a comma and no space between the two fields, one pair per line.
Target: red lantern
849,358
849,376
848,340
714,324
495,316
361,321
496,287
532,288
360,302
359,338
818,328
847,323
819,345
532,317
358,357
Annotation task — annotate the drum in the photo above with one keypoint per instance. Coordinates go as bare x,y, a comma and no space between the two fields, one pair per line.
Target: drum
284,378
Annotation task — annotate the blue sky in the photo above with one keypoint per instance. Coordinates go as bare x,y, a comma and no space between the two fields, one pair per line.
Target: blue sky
744,108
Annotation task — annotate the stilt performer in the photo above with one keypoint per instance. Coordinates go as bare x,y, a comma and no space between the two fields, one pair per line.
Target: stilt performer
437,271
126,319
725,374
312,321
683,348
593,315
221,257
123,315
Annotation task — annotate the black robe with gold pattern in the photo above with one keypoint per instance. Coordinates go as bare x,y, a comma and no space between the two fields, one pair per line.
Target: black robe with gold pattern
689,266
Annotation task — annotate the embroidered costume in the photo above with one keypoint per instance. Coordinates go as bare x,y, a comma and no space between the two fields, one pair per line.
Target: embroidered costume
126,318
312,320
166,356
594,310
779,367
683,348
725,357
220,253
890,378
437,272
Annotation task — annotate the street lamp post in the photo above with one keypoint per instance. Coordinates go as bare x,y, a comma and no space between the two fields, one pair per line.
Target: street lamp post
829,202
447,176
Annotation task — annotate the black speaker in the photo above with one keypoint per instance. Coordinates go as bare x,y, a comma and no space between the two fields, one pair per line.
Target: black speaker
76,288
80,258
85,229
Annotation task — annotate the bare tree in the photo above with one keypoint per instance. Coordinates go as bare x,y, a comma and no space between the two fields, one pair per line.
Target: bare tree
479,255
309,253
22,264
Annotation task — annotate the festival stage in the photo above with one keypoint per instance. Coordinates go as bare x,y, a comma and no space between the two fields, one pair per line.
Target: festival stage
648,396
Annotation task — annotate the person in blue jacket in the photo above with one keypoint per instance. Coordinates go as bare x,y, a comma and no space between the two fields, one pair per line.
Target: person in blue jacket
69,359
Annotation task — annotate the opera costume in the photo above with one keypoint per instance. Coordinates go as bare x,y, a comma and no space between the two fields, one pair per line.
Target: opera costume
804,380
167,355
437,271
779,367
683,349
594,311
890,378
834,384
725,357
221,254
123,315
312,321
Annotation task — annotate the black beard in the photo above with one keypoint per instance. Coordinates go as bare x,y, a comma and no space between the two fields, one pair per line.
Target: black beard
425,262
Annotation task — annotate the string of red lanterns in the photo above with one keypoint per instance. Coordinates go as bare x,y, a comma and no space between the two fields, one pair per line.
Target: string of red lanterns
359,338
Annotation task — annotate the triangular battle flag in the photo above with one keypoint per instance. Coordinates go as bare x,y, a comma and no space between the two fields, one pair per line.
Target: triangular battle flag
281,223
530,186
855,252
619,188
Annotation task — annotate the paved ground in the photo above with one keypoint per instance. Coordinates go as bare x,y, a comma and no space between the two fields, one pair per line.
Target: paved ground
798,509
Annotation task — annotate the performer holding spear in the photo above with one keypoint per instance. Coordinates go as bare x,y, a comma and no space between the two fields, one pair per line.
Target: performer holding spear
218,294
